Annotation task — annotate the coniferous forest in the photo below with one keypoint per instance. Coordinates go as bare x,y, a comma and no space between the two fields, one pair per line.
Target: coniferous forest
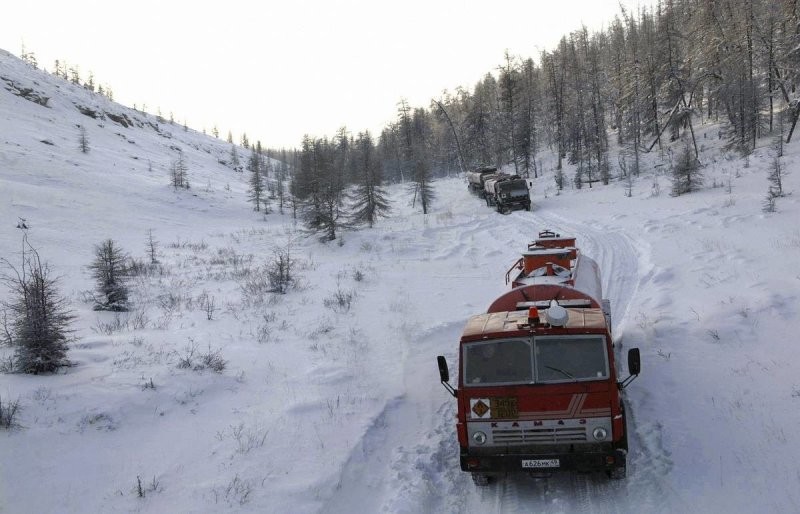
648,78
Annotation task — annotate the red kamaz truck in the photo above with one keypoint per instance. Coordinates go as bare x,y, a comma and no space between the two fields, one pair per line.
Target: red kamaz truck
537,383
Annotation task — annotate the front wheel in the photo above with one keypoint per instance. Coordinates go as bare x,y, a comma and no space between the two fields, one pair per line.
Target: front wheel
618,473
480,479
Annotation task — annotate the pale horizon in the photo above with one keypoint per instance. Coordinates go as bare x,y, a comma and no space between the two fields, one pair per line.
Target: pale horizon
279,71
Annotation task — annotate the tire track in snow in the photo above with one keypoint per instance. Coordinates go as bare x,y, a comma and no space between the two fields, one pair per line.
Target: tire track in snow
623,261
407,461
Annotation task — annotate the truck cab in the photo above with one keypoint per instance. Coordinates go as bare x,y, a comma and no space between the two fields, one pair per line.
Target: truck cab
507,193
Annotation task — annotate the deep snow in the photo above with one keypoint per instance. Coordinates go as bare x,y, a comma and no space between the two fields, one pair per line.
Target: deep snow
322,408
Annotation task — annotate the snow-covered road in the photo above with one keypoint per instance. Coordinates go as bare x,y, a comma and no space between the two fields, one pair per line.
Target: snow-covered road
408,459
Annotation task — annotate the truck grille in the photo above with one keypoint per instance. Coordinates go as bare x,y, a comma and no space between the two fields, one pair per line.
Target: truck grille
540,435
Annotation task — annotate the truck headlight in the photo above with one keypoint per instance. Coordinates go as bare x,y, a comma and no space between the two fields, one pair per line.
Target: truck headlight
479,437
600,433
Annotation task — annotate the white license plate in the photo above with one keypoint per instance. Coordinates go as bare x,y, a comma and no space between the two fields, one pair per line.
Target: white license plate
541,463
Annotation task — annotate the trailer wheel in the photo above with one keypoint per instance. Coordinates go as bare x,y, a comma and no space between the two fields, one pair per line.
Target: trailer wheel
618,473
480,479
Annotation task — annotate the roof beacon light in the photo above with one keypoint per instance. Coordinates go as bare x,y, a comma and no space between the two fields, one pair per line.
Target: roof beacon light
557,315
533,316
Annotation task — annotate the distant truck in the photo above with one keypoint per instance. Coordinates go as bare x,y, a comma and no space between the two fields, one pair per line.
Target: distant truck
537,385
507,193
477,177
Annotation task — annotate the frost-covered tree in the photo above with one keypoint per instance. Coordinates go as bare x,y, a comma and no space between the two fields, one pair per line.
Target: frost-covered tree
256,190
111,272
687,176
39,318
415,140
152,247
83,140
235,163
775,177
369,198
179,172
319,184
282,172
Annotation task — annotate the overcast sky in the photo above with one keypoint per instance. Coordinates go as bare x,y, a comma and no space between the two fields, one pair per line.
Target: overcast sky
278,70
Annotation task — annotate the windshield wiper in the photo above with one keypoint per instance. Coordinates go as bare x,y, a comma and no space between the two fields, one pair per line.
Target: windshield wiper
565,373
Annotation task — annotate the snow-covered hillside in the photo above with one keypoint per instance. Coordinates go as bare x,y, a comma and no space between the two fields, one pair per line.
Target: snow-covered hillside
330,398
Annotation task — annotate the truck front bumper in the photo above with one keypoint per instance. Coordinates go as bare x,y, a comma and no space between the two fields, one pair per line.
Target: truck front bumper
582,461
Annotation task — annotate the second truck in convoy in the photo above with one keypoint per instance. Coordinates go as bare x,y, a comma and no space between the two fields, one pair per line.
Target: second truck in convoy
502,191
507,193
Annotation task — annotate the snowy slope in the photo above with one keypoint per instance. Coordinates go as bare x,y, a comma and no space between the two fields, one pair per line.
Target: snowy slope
325,408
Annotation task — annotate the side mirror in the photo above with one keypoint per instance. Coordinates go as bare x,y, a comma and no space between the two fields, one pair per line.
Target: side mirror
444,372
634,367
634,361
444,375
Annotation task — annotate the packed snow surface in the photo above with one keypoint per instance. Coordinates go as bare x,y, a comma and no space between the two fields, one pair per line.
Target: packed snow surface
330,399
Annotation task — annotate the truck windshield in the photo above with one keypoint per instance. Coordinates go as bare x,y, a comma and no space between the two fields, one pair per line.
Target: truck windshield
552,358
569,358
515,188
498,362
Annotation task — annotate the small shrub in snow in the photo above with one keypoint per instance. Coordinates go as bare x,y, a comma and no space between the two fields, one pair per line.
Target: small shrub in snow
170,302
137,267
138,320
655,189
118,324
99,421
186,361
768,205
211,359
255,286
325,327
340,301
142,489
280,271
8,414
207,304
248,439
237,491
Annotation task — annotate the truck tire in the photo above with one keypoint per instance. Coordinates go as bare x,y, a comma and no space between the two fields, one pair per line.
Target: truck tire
618,473
480,479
